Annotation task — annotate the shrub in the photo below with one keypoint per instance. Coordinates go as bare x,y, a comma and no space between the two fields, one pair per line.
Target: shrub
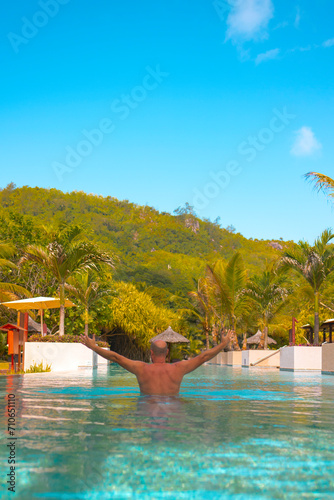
63,338
3,345
38,368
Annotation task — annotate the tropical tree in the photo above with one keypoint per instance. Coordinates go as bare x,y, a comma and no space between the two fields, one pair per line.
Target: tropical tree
134,314
87,289
267,293
9,291
65,258
226,282
180,351
315,264
203,310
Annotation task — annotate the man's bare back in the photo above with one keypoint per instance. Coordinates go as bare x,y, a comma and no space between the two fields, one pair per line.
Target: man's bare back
158,378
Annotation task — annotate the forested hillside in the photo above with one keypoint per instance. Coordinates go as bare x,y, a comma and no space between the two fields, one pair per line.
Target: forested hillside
158,249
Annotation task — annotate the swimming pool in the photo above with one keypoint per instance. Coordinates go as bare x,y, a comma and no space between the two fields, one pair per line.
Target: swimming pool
232,433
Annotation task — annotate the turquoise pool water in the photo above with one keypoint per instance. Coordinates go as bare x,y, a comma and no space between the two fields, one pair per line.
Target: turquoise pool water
232,433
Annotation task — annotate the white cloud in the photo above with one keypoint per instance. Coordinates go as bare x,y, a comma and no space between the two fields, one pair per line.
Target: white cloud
297,18
281,25
306,143
306,49
266,56
248,19
301,49
328,43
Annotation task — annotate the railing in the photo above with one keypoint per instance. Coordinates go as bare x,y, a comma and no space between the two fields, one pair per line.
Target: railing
266,357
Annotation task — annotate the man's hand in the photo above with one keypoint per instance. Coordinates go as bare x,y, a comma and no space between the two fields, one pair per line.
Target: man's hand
227,338
85,340
193,363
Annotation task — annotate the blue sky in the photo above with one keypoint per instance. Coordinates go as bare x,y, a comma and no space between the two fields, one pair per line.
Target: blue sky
224,105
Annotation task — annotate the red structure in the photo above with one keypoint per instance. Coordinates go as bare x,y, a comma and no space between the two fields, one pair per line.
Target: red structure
17,335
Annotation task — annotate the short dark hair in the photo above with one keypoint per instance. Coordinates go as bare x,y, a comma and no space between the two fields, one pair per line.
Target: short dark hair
159,351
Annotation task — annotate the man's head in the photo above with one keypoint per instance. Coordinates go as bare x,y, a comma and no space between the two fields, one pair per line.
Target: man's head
159,351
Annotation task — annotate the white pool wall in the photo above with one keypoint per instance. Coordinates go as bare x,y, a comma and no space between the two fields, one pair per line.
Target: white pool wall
328,358
253,355
62,356
301,358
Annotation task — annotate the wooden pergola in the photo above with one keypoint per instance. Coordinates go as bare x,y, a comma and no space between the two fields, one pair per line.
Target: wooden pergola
309,332
256,339
328,325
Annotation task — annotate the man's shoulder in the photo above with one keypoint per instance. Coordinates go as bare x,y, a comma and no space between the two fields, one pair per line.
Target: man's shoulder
143,365
178,364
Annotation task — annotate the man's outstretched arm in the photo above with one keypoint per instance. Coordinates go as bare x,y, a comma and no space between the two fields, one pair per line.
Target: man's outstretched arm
128,364
191,364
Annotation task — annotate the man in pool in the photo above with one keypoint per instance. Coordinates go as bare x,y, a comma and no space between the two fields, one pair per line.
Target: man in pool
158,378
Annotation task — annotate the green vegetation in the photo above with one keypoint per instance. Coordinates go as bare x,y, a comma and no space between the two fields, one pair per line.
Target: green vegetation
227,281
322,183
315,264
64,257
134,312
267,293
8,290
38,368
61,338
3,345
132,271
87,290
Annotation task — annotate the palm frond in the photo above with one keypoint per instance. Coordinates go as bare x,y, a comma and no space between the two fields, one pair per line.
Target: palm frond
10,291
235,274
321,243
6,250
321,182
7,263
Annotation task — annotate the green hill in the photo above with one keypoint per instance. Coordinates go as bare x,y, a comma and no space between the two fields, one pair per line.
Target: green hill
155,249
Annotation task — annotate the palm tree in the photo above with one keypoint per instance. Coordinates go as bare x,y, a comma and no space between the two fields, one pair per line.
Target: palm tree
86,288
227,281
267,293
7,251
314,263
204,311
64,260
9,291
322,182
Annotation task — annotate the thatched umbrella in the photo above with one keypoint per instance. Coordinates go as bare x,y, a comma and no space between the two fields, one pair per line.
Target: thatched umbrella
33,326
170,337
255,339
